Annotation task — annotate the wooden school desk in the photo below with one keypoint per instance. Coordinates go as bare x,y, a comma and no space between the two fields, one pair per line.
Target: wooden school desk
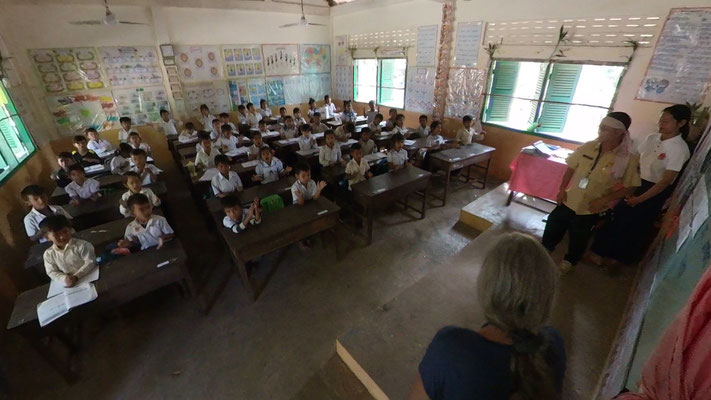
382,190
466,156
334,173
310,157
282,187
120,281
60,195
278,229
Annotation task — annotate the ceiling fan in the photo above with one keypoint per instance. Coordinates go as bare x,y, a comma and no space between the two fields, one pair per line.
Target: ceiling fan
302,21
109,19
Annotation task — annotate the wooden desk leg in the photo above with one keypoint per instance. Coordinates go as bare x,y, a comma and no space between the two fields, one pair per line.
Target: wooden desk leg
424,203
246,281
370,224
486,173
446,184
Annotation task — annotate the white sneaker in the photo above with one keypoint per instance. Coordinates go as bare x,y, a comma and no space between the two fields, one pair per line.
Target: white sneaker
565,267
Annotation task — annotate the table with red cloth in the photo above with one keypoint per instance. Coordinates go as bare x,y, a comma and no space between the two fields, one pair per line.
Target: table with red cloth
536,176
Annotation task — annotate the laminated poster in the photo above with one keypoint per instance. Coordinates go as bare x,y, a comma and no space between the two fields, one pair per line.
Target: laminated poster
198,63
131,66
68,70
243,60
427,45
214,94
281,59
75,112
464,92
143,105
315,58
419,93
468,41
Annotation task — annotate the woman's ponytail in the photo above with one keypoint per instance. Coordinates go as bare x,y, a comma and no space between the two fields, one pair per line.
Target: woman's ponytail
531,372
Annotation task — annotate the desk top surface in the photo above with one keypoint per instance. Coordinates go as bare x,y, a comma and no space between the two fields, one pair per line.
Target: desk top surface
463,152
393,180
106,202
261,191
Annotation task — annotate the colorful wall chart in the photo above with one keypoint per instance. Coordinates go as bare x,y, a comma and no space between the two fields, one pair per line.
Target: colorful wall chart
243,60
275,92
464,92
71,69
143,105
315,58
342,55
76,111
343,83
214,94
243,91
318,85
419,92
198,63
131,66
281,59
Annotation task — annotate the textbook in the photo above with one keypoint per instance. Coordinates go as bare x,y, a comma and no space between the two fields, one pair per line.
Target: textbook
51,309
56,287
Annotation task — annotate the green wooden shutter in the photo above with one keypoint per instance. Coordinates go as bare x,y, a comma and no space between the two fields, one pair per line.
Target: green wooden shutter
539,88
561,88
503,84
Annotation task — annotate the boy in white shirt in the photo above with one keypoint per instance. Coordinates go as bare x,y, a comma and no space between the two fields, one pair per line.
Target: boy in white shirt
225,119
269,168
242,115
397,157
188,134
134,139
371,112
97,144
264,110
147,229
227,142
330,153
348,115
148,172
282,115
375,125
205,117
357,168
68,259
298,119
206,155
121,161
256,148
132,182
81,188
400,126
35,197
305,188
236,219
468,134
422,130
253,117
329,106
289,130
345,131
366,143
125,129
317,126
263,128
226,181
306,141
216,129
168,125
390,124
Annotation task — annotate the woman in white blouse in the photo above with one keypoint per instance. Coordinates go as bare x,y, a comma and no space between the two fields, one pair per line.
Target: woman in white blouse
662,157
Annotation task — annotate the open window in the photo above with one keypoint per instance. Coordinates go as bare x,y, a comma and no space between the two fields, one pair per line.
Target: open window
382,80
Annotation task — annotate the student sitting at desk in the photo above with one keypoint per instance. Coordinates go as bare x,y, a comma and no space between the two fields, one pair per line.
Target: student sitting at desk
35,197
61,176
97,144
68,259
312,108
236,219
125,129
330,153
257,144
357,168
345,131
147,229
216,129
435,138
242,115
253,117
282,115
226,181
227,142
298,119
305,188
468,133
269,168
331,109
188,134
397,156
132,182
82,155
167,125
225,119
422,130
148,172
205,117
289,130
371,112
206,155
366,143
120,163
400,126
348,115
134,139
306,141
316,125
375,125
81,187
264,110
263,127
390,124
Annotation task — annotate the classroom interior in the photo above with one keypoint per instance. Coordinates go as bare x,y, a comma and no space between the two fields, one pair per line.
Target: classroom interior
349,318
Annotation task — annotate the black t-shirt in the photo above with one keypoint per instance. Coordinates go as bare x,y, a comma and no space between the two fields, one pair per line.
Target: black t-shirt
461,364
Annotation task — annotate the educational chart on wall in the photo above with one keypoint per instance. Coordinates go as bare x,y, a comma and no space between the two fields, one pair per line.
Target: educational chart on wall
315,58
243,91
131,66
427,45
680,68
464,92
281,59
343,83
342,55
70,69
77,111
275,91
243,60
419,93
198,63
468,40
214,94
143,104
298,89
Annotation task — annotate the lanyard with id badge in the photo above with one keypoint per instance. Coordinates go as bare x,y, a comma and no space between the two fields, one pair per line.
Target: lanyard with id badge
583,184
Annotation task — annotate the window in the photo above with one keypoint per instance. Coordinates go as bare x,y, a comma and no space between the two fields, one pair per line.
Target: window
382,80
15,144
561,99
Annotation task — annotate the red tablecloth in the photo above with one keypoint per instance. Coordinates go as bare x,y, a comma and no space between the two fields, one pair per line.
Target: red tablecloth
537,176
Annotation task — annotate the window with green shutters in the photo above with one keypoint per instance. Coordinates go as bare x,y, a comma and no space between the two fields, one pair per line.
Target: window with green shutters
564,100
15,144
382,80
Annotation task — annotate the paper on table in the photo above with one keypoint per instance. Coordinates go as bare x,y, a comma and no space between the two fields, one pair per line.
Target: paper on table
56,287
270,134
188,140
79,295
288,141
318,135
238,151
209,174
94,168
250,164
409,142
350,142
106,154
56,306
374,156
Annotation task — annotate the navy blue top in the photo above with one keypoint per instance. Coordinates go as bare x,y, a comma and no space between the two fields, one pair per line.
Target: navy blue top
462,364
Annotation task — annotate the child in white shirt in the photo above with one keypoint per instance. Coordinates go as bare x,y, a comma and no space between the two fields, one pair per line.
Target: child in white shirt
205,117
317,126
97,144
132,182
390,124
188,134
125,129
400,126
242,115
422,130
298,119
397,157
289,130
216,129
330,153
371,112
256,148
282,115
312,108
36,197
236,219
121,161
148,172
435,138
269,168
253,117
227,142
375,125
344,132
366,143
134,139
306,141
264,110
357,168
206,155
305,188
468,134
68,259
168,125
147,229
329,106
225,119
226,181
348,115
81,187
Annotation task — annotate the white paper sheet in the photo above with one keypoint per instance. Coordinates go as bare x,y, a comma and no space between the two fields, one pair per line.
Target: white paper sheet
409,142
79,295
94,168
238,151
56,287
468,36
427,45
250,164
209,174
51,309
374,157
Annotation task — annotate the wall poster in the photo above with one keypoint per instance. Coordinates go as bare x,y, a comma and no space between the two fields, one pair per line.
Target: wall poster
427,45
143,105
71,69
419,92
315,58
198,63
214,94
243,60
464,92
466,50
275,92
75,112
281,59
131,66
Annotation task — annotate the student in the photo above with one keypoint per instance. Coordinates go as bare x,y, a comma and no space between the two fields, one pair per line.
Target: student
242,115
148,172
330,108
435,138
236,219
312,108
68,259
134,139
298,119
391,122
397,156
422,130
216,129
400,126
289,130
468,134
306,141
147,229
97,144
264,110
122,160
269,168
253,117
132,182
330,153
227,142
263,128
205,117
316,125
375,125
345,131
188,134
348,115
226,181
282,115
61,176
168,125
206,155
225,119
366,143
256,148
371,112
357,168
305,188
36,197
81,187
82,155
125,129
